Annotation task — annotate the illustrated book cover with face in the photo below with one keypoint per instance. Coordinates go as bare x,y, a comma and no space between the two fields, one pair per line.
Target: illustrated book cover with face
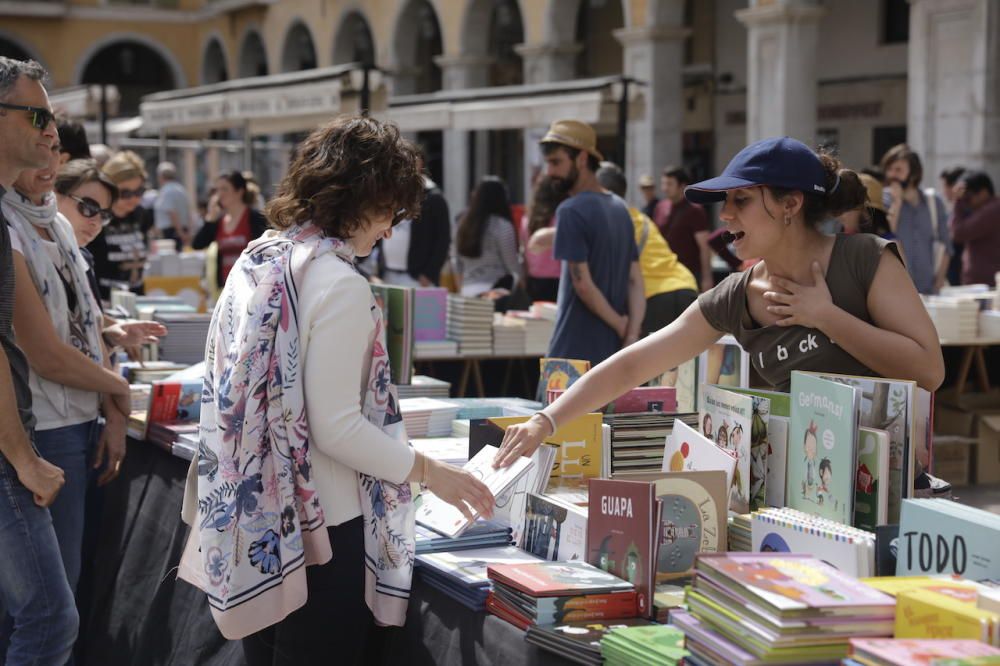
687,450
738,424
693,519
621,532
777,442
579,443
903,410
822,446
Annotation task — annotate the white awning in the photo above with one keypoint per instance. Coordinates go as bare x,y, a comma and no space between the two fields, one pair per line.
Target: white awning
594,101
266,104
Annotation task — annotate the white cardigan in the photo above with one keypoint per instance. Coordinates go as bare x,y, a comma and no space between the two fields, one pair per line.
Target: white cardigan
337,331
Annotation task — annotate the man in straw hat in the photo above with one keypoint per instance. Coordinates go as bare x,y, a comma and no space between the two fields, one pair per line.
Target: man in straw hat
601,297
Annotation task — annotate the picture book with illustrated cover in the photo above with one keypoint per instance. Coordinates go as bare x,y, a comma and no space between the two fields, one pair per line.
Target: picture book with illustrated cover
469,567
944,613
822,444
738,424
793,584
560,373
620,534
777,442
784,530
567,608
941,537
911,652
687,450
683,378
871,491
553,579
554,530
693,518
579,443
724,364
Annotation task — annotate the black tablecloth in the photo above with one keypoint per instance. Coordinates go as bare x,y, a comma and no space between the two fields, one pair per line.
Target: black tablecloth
140,613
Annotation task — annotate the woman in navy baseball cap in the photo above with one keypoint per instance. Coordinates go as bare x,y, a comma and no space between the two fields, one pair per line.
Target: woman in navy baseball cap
814,302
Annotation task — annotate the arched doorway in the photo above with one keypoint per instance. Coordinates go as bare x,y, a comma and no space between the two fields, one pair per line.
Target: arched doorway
298,53
12,49
253,56
596,21
354,42
213,64
136,69
417,42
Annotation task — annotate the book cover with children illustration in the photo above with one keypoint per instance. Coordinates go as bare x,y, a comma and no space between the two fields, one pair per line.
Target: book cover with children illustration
821,448
738,424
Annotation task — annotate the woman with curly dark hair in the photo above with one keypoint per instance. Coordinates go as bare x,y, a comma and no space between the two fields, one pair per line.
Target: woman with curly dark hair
296,466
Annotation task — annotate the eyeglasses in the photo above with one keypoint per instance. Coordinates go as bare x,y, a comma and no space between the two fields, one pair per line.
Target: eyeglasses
90,208
40,117
398,217
129,194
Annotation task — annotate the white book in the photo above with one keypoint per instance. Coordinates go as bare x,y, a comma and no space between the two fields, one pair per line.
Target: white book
777,460
687,450
512,503
445,518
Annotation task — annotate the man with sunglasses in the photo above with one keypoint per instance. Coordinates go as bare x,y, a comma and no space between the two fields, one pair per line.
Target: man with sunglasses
38,617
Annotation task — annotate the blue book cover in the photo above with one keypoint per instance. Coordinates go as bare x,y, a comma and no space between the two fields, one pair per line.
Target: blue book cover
941,537
822,445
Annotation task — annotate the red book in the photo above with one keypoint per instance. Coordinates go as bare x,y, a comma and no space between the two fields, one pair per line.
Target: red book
641,399
621,534
547,610
504,612
557,579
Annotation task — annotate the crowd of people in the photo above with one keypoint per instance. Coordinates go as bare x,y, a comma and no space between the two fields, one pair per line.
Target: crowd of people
636,296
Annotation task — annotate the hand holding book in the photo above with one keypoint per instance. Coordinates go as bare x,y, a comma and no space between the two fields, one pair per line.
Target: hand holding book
454,485
523,439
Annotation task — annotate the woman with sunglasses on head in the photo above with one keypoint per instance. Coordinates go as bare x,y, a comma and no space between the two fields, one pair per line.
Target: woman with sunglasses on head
230,223
121,247
59,325
809,290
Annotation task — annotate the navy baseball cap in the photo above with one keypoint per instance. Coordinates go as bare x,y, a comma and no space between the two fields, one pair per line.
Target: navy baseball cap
781,162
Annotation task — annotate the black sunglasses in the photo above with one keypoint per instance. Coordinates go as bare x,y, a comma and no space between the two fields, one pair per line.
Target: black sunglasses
40,117
90,208
128,194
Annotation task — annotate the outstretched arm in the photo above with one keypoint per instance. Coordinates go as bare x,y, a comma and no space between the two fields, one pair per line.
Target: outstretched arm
686,337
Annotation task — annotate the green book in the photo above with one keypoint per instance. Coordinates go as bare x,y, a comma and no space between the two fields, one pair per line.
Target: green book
652,644
871,492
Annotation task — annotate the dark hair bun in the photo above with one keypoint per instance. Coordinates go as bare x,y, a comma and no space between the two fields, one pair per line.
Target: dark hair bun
845,191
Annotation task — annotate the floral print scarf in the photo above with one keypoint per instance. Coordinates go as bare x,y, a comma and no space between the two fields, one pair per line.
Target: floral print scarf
259,520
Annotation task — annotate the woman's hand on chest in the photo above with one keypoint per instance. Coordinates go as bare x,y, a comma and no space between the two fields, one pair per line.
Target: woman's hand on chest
783,302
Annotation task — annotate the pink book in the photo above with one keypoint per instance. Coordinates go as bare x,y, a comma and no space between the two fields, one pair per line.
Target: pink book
912,652
641,399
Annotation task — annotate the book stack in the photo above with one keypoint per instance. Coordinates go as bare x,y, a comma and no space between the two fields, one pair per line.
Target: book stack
186,446
150,371
434,349
451,450
186,336
508,336
422,386
462,574
740,533
785,530
445,518
167,435
638,646
989,324
771,608
637,441
545,310
579,642
902,652
427,417
537,330
482,534
470,323
955,318
549,592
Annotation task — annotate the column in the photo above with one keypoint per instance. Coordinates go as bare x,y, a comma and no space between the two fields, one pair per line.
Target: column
954,85
655,57
459,73
781,68
543,63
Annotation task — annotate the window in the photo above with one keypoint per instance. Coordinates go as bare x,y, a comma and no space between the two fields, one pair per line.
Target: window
895,21
884,138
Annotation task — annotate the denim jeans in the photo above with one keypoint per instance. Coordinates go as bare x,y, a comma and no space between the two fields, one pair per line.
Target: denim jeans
70,448
38,617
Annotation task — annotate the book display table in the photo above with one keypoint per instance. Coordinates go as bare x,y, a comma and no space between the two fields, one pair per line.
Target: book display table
139,613
471,368
972,352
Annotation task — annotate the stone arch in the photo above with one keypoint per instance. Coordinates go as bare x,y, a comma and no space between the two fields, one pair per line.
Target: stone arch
501,21
13,46
137,66
214,61
299,50
417,41
253,55
354,40
173,64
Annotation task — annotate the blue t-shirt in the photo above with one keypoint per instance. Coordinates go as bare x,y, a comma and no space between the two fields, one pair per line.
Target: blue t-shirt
596,228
